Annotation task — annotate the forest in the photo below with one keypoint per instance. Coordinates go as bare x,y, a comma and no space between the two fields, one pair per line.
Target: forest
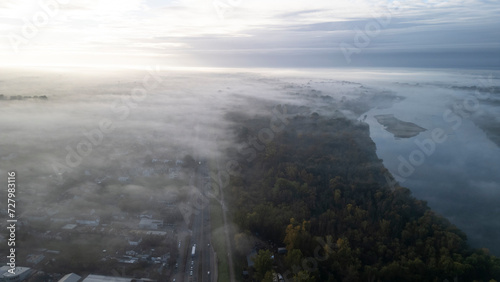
319,189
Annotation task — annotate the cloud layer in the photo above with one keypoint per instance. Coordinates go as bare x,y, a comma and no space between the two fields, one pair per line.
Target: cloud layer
251,33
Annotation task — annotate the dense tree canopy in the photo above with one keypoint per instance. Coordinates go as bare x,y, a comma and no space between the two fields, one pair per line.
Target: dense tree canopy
319,188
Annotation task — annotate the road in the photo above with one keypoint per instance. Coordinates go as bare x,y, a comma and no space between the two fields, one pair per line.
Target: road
200,266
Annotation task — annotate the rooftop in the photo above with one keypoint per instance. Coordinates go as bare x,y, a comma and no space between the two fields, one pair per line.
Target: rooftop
70,278
100,278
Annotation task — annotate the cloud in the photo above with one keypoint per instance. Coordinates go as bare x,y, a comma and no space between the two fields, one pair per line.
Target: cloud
139,26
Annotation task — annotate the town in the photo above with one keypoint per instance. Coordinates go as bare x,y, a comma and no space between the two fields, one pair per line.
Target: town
108,224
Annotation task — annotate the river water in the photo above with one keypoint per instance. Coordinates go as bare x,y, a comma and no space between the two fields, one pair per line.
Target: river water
453,165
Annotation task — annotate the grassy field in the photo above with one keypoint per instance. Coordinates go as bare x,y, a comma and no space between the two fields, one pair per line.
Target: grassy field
219,240
239,260
218,236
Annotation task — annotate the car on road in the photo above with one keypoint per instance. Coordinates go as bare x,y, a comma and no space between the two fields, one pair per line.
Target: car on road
190,273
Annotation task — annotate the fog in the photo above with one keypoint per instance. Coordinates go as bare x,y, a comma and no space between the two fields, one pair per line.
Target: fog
99,139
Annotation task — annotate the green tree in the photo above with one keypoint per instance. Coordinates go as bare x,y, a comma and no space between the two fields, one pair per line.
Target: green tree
268,277
293,258
303,276
262,263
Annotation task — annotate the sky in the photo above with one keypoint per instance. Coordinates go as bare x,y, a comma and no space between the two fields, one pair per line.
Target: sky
256,33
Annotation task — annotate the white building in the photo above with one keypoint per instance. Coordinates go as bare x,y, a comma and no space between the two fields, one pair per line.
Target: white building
70,278
20,274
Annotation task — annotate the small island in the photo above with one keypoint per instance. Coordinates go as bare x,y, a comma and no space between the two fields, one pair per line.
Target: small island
399,128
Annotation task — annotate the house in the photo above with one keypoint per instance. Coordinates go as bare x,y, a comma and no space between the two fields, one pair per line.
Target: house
34,259
147,223
282,251
88,220
124,178
156,233
164,161
146,214
69,226
119,215
250,258
135,241
128,260
70,278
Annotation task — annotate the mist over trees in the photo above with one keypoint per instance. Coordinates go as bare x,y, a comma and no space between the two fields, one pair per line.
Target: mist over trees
96,152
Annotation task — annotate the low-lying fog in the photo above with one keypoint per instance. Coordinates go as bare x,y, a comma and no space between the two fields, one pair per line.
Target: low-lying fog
107,124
